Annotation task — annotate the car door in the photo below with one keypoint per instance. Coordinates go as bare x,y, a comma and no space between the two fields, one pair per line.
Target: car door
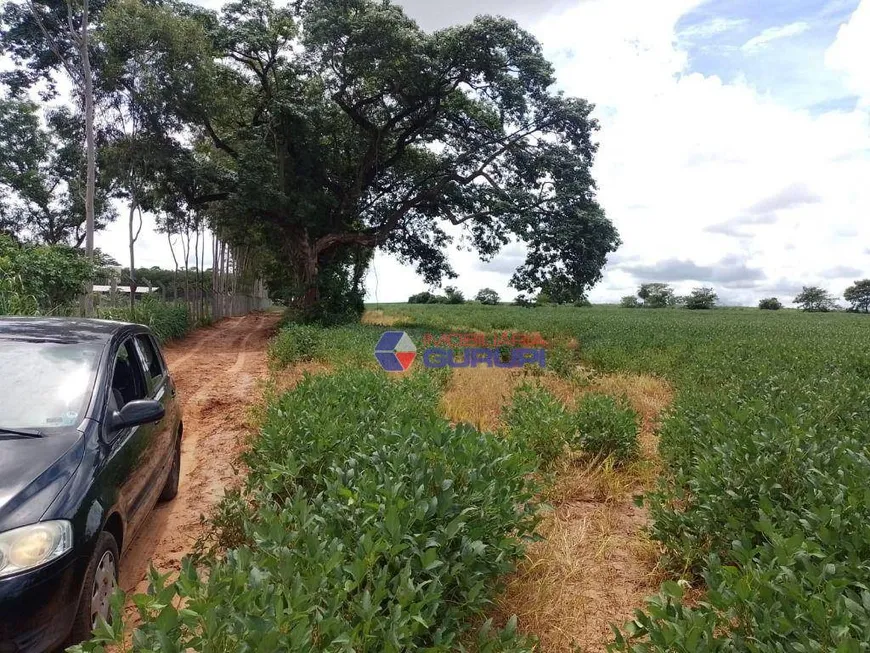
159,389
131,459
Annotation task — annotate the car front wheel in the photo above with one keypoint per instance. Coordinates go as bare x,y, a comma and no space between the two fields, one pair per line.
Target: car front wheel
101,580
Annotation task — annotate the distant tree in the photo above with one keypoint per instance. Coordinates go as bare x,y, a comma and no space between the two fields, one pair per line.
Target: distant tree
454,295
701,299
543,299
815,300
656,295
487,296
424,297
770,304
525,302
859,296
630,301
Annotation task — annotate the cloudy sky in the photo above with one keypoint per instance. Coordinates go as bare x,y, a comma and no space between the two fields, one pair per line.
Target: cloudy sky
734,142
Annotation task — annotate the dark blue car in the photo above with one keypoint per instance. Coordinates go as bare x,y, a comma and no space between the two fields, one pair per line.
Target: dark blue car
90,440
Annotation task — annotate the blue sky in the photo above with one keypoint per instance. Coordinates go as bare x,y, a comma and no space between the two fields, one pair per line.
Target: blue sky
790,68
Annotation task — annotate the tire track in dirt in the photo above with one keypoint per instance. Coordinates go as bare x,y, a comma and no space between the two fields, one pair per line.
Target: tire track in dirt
216,370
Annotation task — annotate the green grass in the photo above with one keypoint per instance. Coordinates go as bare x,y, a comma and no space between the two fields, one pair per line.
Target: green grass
765,501
168,320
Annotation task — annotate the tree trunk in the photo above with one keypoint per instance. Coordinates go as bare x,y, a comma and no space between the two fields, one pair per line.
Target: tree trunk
132,242
197,282
88,92
175,261
311,294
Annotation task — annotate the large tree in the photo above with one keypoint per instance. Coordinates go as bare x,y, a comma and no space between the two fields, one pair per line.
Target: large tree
858,295
333,128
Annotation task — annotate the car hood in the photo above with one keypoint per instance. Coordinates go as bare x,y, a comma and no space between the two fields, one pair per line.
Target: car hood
33,471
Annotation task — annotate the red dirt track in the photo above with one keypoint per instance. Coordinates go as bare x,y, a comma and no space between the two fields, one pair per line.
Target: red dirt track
216,370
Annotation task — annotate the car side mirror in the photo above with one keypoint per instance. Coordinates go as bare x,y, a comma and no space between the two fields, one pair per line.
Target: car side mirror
136,413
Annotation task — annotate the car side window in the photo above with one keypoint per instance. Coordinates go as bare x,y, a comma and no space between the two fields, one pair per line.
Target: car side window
151,361
128,383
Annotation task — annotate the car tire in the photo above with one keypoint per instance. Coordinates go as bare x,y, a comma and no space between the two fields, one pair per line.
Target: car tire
101,579
170,490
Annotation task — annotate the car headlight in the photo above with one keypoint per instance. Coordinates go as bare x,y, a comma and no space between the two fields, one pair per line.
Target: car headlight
31,546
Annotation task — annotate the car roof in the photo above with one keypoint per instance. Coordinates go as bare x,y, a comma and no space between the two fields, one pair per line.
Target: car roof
70,330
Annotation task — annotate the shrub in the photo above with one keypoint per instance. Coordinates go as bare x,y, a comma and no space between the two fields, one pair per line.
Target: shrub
630,301
168,320
770,304
454,295
42,279
424,297
295,343
656,295
340,301
374,525
537,421
543,299
487,296
606,427
525,302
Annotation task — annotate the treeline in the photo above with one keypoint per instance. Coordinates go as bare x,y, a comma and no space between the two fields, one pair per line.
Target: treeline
812,299
301,156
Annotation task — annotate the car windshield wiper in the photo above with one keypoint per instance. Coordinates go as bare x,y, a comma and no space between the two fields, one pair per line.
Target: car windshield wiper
25,433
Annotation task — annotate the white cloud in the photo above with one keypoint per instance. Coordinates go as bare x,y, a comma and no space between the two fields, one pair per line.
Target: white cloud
850,52
774,34
683,152
711,27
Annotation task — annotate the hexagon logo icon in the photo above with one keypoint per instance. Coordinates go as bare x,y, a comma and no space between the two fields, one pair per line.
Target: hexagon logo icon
395,351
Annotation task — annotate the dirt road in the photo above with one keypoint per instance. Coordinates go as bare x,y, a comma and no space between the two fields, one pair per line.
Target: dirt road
216,370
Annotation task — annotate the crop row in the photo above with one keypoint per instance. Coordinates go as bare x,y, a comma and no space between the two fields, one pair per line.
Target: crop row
368,523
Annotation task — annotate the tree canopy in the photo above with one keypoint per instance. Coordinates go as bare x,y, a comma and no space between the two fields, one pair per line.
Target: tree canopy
320,131
858,295
815,300
701,299
656,295
42,176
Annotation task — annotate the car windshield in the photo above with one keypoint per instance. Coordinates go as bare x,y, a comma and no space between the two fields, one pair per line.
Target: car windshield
45,385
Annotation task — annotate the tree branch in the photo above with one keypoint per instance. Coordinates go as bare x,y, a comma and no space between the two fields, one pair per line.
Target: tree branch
220,144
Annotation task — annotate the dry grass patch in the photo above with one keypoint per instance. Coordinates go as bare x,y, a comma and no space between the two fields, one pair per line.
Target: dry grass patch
593,568
478,395
379,318
595,565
